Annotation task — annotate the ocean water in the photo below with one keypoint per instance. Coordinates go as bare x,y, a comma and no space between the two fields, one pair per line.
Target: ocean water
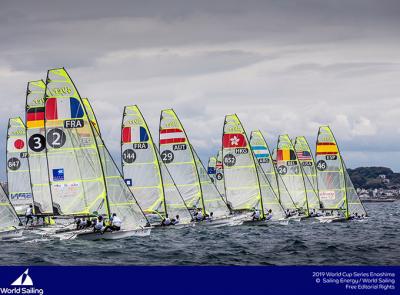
374,241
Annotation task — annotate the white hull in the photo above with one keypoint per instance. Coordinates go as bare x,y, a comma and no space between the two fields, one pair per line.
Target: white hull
114,235
11,234
329,219
227,221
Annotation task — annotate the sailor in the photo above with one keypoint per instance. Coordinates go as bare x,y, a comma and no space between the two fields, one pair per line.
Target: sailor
166,221
29,214
83,223
269,214
99,226
199,215
210,217
255,214
116,222
78,223
176,220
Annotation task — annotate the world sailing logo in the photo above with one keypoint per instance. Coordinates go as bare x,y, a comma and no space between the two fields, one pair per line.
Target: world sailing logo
22,285
23,280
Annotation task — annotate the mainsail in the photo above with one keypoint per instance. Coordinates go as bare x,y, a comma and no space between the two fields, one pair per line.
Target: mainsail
306,160
336,190
212,161
186,169
84,177
267,176
144,172
262,153
91,115
213,200
8,217
177,155
242,185
219,175
36,148
291,176
18,179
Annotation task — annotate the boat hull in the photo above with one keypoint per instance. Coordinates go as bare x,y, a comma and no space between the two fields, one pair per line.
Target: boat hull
114,235
329,219
11,234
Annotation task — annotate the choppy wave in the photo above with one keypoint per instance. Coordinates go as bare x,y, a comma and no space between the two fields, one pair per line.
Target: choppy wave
375,241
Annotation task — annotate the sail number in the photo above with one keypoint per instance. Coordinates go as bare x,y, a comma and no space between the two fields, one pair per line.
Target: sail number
282,170
129,156
13,164
167,156
321,165
229,160
331,157
37,143
56,138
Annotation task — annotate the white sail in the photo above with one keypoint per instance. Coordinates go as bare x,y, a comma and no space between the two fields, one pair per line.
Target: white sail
267,177
219,175
306,160
186,169
173,200
36,139
88,181
176,154
8,217
140,163
336,191
75,172
242,185
18,179
145,173
262,153
213,201
291,176
212,161
91,115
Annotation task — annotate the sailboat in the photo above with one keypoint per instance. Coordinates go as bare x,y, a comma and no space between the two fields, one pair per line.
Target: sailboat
10,224
339,199
36,149
307,165
291,177
242,183
267,176
191,178
212,161
84,180
146,175
18,179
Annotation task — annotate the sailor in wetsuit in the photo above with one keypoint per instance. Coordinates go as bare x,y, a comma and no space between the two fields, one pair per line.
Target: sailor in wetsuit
256,214
29,214
166,221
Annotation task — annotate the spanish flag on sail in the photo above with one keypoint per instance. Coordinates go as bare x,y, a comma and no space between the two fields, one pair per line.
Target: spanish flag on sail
327,148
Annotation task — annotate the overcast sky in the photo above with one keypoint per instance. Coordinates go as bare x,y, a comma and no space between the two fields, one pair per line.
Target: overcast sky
282,66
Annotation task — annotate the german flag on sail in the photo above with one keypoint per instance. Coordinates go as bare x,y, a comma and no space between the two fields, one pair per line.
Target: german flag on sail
35,117
286,155
327,148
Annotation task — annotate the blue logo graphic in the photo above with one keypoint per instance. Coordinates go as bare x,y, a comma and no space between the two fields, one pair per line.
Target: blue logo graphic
128,181
58,174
